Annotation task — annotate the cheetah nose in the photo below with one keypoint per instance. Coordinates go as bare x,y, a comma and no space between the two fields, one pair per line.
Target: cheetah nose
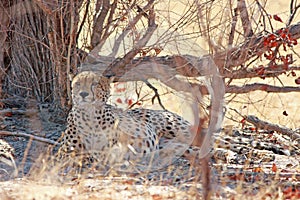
84,94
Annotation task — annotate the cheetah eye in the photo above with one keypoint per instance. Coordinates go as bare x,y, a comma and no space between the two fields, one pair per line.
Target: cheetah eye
77,83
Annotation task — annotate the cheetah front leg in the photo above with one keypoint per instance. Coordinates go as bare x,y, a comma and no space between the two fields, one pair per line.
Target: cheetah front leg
70,151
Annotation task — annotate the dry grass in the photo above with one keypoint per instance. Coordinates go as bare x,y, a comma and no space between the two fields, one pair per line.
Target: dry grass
176,182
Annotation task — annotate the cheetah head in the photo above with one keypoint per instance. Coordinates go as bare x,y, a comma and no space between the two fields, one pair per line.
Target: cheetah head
88,87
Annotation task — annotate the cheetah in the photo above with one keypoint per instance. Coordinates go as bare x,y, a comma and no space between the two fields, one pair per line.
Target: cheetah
7,155
102,134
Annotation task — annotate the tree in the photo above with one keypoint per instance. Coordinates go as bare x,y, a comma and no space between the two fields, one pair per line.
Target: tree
52,33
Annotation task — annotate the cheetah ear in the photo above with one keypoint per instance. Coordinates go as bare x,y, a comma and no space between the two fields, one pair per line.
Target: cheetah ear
71,76
110,77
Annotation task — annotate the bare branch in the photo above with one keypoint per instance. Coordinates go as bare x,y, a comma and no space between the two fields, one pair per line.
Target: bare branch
293,11
47,6
114,67
232,30
242,8
260,86
129,27
156,95
249,49
99,21
189,66
85,15
272,71
107,30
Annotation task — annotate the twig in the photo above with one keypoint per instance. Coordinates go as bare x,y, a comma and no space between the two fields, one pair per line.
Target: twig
108,31
34,137
98,22
293,12
232,30
69,49
129,27
114,67
241,6
274,127
156,95
83,21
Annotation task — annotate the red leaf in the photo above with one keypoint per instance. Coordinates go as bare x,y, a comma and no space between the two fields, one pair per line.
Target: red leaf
120,89
119,100
274,167
277,18
272,37
252,128
273,44
243,120
129,102
283,35
269,56
157,51
8,114
294,41
297,81
257,169
291,193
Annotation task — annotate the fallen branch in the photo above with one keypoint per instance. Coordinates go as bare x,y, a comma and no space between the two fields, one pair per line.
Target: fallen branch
260,124
34,137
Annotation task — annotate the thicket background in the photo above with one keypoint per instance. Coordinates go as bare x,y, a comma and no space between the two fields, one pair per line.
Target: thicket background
42,42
